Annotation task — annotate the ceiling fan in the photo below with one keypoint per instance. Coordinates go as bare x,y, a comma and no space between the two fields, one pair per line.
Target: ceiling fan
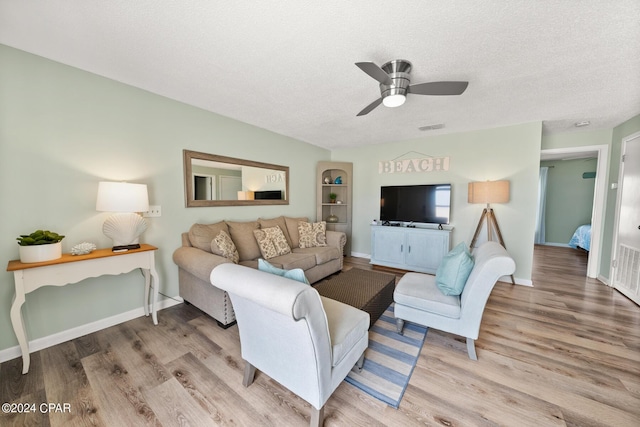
395,84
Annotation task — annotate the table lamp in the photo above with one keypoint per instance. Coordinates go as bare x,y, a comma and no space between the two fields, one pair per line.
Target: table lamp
125,225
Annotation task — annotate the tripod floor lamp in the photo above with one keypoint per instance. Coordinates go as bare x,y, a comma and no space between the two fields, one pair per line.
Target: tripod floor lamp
489,192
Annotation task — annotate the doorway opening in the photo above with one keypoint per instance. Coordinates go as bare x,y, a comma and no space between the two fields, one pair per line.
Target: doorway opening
601,153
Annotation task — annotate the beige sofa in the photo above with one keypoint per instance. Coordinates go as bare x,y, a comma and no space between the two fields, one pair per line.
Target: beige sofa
197,257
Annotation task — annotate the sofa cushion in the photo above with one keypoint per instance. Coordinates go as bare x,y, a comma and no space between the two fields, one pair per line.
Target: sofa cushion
454,270
304,261
420,291
272,242
347,326
245,241
312,234
280,222
322,254
251,263
292,229
201,235
294,274
225,245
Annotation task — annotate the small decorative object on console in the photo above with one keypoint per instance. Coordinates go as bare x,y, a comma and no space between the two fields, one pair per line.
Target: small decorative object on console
338,180
83,248
327,180
332,218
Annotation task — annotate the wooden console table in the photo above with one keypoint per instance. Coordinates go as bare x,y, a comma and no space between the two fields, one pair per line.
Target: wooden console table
74,268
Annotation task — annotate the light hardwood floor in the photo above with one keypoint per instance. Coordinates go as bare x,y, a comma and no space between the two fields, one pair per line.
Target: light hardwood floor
563,353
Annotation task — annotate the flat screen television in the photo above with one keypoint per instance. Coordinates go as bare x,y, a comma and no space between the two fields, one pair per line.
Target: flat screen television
268,195
430,204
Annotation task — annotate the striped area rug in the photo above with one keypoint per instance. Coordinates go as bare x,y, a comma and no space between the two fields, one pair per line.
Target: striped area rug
389,360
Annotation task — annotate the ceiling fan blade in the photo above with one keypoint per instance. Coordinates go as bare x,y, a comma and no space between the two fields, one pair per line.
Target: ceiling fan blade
370,107
438,88
374,71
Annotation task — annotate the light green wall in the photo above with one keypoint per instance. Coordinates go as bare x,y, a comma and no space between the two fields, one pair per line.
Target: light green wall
576,139
511,153
63,130
569,201
620,132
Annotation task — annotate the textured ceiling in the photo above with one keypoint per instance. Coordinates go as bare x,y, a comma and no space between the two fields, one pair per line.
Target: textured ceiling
288,65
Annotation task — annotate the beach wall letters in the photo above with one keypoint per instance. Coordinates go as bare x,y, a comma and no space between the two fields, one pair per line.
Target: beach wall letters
425,164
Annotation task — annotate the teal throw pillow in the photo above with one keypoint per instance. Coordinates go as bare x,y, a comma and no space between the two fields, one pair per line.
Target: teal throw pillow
453,272
294,274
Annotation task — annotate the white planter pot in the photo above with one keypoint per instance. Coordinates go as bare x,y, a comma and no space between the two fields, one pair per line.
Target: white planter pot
40,253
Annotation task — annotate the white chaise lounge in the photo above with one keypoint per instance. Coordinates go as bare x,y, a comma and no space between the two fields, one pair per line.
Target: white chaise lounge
418,299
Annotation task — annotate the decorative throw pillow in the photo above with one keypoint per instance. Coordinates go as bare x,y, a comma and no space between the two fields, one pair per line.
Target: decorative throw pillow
272,242
294,274
312,234
226,246
280,222
453,272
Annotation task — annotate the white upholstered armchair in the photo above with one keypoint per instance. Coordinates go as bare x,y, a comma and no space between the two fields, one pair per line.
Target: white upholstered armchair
305,342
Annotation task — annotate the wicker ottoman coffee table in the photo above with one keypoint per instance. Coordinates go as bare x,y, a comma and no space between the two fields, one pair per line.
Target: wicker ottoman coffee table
367,290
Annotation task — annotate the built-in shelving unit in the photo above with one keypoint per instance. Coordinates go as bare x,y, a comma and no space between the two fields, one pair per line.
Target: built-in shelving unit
326,174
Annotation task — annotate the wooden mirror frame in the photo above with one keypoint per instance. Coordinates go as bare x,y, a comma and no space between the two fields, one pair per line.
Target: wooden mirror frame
190,202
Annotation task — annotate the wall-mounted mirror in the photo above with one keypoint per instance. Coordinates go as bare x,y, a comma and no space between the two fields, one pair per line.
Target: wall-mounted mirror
211,180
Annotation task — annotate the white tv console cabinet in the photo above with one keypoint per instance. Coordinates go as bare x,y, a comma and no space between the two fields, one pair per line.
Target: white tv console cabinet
408,248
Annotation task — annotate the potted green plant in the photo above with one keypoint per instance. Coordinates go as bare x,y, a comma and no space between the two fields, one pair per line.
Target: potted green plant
40,246
333,197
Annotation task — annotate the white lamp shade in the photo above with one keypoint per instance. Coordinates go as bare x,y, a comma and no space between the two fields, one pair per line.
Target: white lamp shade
489,192
122,197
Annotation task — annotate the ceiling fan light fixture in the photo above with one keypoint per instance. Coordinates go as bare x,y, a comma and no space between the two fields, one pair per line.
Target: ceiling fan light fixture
395,84
394,100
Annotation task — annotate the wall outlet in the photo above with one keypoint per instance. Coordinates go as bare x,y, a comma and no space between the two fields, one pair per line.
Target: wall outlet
153,211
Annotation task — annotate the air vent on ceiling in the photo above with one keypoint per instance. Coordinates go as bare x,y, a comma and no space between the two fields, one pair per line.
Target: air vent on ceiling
431,127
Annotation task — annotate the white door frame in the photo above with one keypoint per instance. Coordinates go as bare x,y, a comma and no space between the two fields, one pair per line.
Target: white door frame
599,199
212,185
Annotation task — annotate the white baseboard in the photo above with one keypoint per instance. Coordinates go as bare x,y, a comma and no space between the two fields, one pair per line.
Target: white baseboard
78,331
359,255
561,245
604,280
519,281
